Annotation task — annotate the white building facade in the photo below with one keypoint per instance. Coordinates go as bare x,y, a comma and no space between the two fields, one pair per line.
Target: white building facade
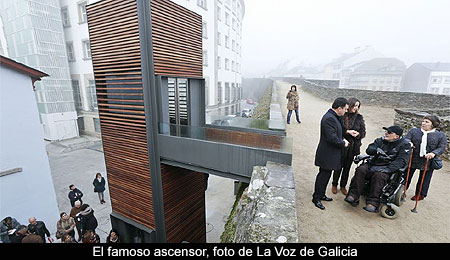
26,185
32,34
222,52
222,37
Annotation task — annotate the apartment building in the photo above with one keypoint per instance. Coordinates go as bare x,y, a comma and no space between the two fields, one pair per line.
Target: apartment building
433,78
32,34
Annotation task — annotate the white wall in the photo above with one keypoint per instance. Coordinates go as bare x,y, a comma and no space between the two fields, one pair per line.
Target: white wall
30,192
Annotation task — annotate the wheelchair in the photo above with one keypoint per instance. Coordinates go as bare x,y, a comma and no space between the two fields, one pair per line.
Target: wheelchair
392,191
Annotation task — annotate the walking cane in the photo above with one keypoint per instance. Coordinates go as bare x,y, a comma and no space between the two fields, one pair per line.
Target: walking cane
414,210
407,174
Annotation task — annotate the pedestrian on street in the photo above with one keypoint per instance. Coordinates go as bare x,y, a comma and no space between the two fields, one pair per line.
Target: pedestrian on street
113,237
99,187
86,219
32,237
65,225
429,144
354,129
41,229
292,104
74,195
7,229
90,237
73,214
328,153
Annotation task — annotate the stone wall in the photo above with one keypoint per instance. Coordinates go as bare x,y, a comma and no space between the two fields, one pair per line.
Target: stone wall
266,212
407,119
380,98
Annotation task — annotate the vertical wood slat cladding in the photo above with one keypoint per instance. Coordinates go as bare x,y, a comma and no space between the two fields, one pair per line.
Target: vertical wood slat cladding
115,48
177,51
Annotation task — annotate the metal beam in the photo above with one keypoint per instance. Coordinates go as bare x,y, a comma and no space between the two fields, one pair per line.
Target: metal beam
151,115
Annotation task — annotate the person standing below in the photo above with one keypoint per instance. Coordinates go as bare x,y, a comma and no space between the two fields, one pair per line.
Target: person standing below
293,99
354,129
74,195
328,153
73,214
7,228
66,225
40,228
99,187
428,143
86,219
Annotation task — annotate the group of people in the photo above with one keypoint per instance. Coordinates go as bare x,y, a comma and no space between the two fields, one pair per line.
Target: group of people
341,130
81,218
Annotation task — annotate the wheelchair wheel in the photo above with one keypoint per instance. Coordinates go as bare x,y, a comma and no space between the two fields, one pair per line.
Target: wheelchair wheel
390,211
398,197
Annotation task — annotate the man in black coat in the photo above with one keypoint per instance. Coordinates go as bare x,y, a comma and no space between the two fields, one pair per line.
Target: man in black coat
328,154
39,228
390,153
74,195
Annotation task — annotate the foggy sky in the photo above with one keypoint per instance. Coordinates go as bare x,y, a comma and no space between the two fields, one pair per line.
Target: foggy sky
317,31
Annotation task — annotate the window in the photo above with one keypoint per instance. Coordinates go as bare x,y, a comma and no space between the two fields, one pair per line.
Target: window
219,38
227,41
204,31
93,95
227,18
219,92
86,49
77,95
227,64
82,15
70,51
447,80
227,92
205,58
202,3
436,80
219,62
233,45
219,13
65,17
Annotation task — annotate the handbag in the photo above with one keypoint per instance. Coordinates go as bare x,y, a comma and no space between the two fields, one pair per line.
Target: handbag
436,163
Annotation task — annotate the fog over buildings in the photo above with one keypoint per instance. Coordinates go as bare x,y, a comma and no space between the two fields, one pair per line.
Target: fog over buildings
308,36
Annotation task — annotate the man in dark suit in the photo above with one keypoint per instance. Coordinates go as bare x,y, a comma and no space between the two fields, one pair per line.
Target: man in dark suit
328,154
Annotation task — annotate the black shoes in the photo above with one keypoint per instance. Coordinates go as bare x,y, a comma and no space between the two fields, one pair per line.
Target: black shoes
319,204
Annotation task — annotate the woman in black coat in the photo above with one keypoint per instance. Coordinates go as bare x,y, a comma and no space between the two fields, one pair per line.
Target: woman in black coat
354,129
86,219
428,143
99,187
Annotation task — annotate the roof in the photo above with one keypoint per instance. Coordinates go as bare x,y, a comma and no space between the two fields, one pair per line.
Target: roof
379,65
22,68
437,66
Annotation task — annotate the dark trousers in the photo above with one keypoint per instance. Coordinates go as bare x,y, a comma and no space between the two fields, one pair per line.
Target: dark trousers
297,116
322,179
426,181
343,173
377,181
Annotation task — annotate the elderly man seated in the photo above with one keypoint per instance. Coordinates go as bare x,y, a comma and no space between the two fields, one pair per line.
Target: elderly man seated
389,154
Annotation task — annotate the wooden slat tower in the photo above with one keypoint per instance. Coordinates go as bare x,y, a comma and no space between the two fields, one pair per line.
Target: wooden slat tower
118,57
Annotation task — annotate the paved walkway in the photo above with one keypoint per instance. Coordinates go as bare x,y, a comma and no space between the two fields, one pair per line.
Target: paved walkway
340,222
76,161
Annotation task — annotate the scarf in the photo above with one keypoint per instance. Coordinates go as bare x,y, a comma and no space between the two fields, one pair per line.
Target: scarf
423,144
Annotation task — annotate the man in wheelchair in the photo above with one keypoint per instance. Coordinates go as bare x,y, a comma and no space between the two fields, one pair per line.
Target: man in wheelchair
388,154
